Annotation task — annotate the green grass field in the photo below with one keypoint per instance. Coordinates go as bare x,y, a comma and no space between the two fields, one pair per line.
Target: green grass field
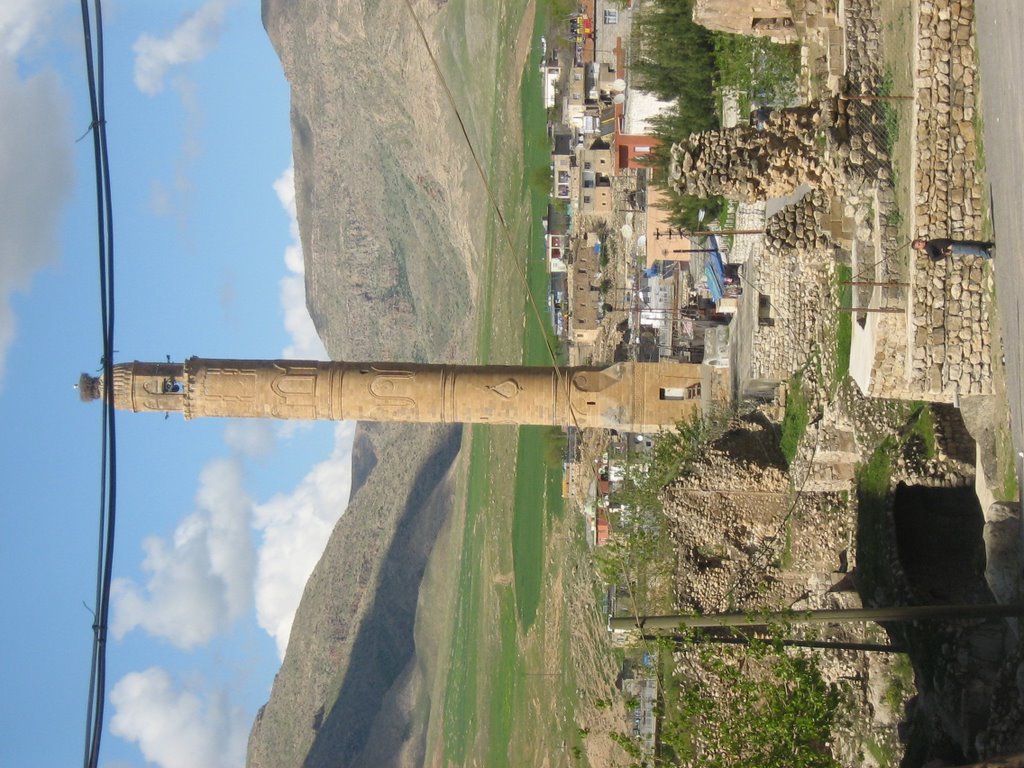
501,640
534,477
494,672
794,422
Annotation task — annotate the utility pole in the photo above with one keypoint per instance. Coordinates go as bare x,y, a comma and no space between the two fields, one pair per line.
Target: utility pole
826,645
874,310
852,615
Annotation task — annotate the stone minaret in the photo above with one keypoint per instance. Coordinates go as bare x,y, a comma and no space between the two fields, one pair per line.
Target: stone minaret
631,397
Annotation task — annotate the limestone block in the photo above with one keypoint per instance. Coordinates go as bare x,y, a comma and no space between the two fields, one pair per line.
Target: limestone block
1002,535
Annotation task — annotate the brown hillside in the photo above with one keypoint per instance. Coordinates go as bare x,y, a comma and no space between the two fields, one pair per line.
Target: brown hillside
383,207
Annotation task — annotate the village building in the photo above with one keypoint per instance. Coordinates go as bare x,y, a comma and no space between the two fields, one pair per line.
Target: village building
595,166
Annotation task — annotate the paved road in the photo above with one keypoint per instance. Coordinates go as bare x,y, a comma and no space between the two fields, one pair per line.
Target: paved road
1000,25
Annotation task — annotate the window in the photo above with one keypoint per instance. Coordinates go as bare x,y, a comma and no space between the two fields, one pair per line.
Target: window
611,16
586,199
586,166
680,393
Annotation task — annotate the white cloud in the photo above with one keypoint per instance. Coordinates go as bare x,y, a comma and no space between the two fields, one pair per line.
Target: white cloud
36,169
306,343
295,530
187,43
25,22
173,198
253,437
295,526
177,728
205,577
201,581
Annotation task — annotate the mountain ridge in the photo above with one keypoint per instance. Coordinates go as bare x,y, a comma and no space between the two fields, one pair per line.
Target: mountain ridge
391,254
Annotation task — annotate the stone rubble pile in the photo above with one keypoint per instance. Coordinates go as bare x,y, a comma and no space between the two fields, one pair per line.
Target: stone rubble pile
744,538
861,146
862,41
864,140
796,227
749,164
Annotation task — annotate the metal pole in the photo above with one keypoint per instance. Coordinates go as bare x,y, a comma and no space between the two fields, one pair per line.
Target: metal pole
833,645
873,97
710,232
870,282
896,613
876,310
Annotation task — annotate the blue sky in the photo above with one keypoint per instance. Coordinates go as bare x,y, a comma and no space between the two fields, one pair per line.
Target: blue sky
219,523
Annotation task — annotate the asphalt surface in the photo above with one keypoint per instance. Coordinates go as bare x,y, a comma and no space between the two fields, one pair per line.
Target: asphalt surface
1000,30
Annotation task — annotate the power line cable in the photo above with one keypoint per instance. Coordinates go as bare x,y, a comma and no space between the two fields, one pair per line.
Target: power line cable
96,698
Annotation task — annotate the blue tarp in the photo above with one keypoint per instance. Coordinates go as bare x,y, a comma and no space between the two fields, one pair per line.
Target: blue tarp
715,260
715,287
714,270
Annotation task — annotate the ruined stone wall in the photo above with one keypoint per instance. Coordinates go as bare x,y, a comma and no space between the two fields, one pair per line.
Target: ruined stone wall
768,18
795,274
951,353
749,164
948,196
889,372
944,343
783,21
745,538
950,300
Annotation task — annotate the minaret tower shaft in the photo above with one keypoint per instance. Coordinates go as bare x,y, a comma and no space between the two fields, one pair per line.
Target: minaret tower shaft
634,397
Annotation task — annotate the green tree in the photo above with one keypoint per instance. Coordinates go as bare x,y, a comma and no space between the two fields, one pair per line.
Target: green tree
684,210
641,547
754,705
676,59
688,65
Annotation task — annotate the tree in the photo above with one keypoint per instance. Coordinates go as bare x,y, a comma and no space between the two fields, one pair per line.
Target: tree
754,705
685,210
640,549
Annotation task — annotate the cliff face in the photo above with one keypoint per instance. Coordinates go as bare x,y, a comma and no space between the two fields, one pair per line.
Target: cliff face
383,209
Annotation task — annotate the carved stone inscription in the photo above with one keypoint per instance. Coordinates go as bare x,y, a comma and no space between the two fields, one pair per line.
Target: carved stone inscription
295,389
229,385
392,391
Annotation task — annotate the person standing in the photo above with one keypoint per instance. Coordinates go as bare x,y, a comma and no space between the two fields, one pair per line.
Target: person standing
941,248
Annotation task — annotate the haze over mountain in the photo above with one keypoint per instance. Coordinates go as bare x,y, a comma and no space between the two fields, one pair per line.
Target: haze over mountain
384,187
